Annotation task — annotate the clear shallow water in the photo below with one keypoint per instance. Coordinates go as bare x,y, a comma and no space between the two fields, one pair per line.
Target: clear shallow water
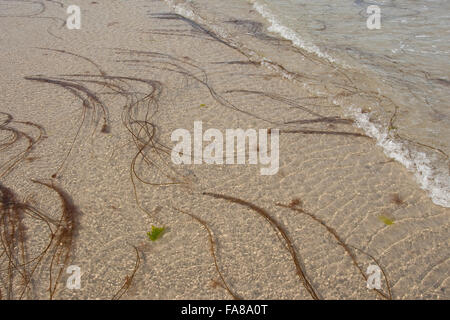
408,56
411,51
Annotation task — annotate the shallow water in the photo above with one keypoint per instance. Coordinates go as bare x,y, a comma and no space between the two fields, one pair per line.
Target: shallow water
411,51
405,61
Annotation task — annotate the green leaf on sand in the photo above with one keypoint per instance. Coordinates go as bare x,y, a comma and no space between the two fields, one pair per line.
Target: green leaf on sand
386,220
203,105
156,233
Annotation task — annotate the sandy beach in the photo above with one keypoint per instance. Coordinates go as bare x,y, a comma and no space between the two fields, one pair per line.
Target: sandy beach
86,171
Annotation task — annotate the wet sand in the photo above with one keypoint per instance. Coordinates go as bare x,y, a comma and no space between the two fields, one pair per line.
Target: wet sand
108,97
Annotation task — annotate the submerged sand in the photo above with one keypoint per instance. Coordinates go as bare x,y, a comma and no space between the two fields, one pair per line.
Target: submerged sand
146,71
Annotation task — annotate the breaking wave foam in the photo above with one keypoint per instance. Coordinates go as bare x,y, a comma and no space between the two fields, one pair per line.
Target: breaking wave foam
288,33
436,183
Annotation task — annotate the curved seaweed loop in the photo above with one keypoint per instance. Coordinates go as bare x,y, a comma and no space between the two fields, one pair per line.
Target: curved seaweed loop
175,65
37,14
128,279
17,135
89,101
212,250
297,208
287,241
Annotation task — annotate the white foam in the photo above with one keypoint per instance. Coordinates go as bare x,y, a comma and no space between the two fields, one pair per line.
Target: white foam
436,183
288,33
181,9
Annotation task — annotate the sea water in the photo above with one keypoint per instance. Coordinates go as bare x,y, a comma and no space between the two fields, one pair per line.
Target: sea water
410,52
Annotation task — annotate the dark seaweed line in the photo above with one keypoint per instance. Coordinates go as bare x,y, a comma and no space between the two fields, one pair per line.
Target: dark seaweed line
128,279
338,133
177,68
9,165
300,272
344,245
89,102
64,235
212,251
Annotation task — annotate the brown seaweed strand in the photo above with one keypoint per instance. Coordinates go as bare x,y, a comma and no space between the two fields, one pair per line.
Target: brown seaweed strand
300,272
340,241
128,279
64,236
213,252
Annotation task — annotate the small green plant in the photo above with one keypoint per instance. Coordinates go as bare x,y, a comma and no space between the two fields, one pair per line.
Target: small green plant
203,105
386,220
156,233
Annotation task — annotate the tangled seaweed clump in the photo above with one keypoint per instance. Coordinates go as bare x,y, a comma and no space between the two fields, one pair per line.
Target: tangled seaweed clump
19,266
